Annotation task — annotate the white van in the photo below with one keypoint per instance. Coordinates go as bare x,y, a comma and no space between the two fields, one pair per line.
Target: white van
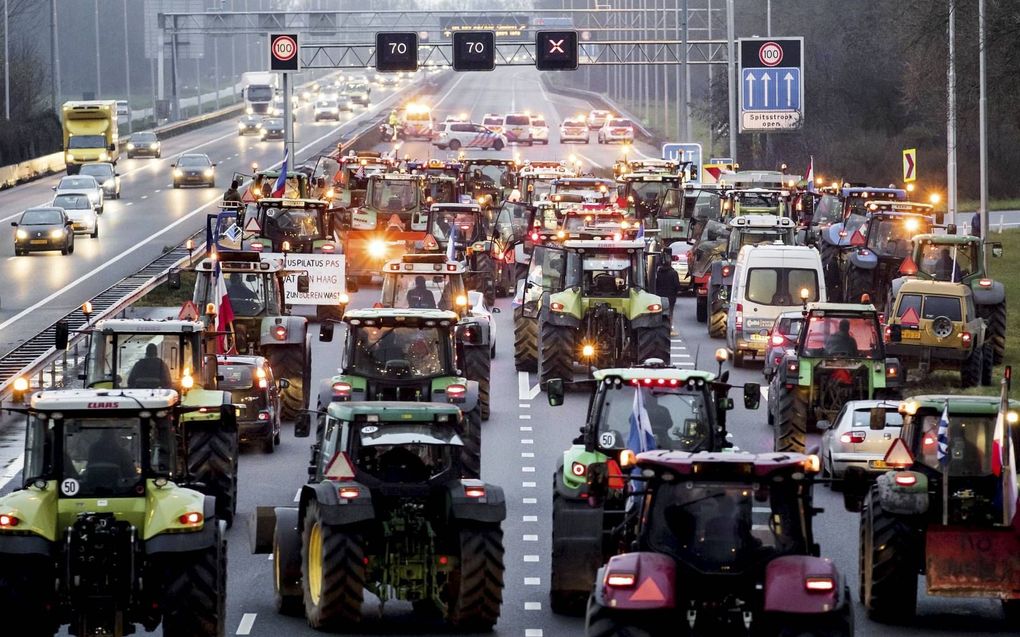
768,280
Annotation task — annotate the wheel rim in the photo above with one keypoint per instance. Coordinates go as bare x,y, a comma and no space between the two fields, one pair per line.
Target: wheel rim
315,563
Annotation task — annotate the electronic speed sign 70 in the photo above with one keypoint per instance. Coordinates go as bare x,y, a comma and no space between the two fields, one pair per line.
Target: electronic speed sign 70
474,50
396,52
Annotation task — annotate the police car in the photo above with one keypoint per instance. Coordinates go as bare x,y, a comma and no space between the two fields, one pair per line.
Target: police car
616,129
457,135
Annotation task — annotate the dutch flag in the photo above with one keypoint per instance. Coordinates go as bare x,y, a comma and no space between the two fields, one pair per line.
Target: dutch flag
224,312
281,181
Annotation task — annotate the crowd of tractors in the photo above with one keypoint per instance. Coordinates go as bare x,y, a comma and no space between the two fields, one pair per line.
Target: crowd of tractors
660,525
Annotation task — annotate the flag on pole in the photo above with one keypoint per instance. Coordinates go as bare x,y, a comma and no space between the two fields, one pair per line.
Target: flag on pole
281,181
1004,462
809,176
942,452
641,438
640,231
224,312
451,247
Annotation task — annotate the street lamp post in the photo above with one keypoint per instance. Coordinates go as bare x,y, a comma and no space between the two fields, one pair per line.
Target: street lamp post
983,122
7,68
951,195
127,65
731,84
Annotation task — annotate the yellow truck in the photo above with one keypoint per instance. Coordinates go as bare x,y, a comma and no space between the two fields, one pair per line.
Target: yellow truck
90,133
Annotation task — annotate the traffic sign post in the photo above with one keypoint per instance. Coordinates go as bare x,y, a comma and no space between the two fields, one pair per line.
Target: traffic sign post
909,165
556,50
283,52
396,52
474,50
771,84
681,152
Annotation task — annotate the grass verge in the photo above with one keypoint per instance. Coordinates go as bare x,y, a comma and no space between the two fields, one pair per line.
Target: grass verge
163,296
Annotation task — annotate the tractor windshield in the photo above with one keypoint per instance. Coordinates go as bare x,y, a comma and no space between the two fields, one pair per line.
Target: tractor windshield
465,226
890,236
423,291
144,360
828,210
548,268
725,527
947,262
971,440
680,418
752,238
488,176
298,223
702,204
852,336
393,195
411,453
608,273
250,294
398,352
758,200
442,191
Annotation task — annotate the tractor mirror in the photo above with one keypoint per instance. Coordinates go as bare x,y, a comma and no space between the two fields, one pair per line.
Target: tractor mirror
173,279
554,391
352,286
284,383
996,249
61,332
725,404
302,284
326,332
303,424
752,395
877,419
895,333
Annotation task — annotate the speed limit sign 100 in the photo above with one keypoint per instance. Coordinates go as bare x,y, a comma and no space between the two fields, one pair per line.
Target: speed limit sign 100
283,52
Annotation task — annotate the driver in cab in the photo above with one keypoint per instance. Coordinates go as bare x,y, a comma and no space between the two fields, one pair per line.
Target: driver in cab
841,342
419,296
150,372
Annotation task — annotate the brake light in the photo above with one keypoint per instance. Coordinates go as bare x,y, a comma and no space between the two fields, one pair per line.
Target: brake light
189,519
263,415
676,257
534,236
456,392
349,493
965,337
8,521
654,307
738,318
726,270
578,469
819,584
853,437
509,257
556,306
280,332
892,371
341,390
474,491
778,339
256,247
888,333
620,580
985,283
905,479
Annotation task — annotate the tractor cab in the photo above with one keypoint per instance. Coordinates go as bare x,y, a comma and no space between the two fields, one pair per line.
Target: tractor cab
464,224
263,184
292,225
591,189
536,182
604,269
351,178
424,281
489,181
142,354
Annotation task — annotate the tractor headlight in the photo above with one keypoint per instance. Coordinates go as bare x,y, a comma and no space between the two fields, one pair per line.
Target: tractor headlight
103,156
377,248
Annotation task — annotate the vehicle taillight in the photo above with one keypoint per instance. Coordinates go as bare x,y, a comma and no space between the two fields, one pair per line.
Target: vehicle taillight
654,307
556,306
474,491
534,236
853,437
726,270
256,247
819,584
456,392
280,332
905,479
888,333
676,258
263,415
578,469
328,247
778,339
738,318
341,390
620,580
965,337
191,518
349,493
8,521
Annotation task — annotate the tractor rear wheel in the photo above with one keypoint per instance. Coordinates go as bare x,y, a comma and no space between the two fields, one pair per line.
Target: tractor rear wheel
474,592
856,287
995,317
287,594
791,420
477,367
600,621
717,324
196,590
26,585
212,460
652,342
471,452
889,568
332,572
970,369
486,277
555,351
576,552
288,361
700,308
525,342
987,363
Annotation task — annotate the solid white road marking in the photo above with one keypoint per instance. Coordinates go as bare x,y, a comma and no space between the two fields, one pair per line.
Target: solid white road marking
529,518
530,538
247,621
531,558
532,605
524,389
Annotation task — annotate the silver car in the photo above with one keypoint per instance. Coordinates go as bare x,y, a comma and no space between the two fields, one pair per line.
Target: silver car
107,177
849,441
82,184
80,211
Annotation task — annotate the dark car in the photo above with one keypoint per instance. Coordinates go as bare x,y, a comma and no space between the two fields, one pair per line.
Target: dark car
249,125
43,229
194,169
144,145
256,397
272,128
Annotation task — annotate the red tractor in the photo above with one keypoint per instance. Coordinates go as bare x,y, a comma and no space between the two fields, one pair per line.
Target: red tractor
722,544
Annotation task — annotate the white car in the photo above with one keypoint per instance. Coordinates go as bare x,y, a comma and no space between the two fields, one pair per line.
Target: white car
82,184
597,119
493,121
517,128
326,109
80,211
575,129
106,175
539,130
849,440
457,135
616,129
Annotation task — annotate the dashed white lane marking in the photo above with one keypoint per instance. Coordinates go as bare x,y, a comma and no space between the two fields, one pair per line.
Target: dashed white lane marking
247,621
532,632
11,258
158,190
297,495
525,405
527,441
528,485
530,538
532,581
685,364
528,469
531,558
529,518
524,416
530,500
526,428
682,355
130,203
145,196
527,454
532,605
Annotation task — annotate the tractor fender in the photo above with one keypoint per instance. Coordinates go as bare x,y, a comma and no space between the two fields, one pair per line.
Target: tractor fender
641,316
183,542
654,582
903,500
786,590
989,296
296,326
717,277
288,556
559,318
863,259
571,314
336,510
25,545
831,236
566,484
479,333
490,508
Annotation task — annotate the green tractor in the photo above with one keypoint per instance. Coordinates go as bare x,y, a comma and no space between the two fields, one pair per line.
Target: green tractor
839,356
960,258
100,536
178,355
545,275
940,514
602,316
686,412
405,355
388,511
262,322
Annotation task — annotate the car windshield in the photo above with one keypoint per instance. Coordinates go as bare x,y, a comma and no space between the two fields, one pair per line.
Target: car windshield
608,273
72,202
518,120
841,335
465,226
405,453
236,376
538,122
259,93
781,287
76,183
273,123
139,361
100,171
947,262
355,86
41,217
725,527
301,223
86,141
488,175
397,352
393,195
574,123
423,291
193,161
143,138
680,418
890,236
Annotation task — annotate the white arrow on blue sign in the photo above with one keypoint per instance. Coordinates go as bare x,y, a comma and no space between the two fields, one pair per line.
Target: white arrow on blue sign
679,151
776,89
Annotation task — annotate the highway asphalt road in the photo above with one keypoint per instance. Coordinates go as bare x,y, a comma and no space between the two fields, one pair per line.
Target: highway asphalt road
521,441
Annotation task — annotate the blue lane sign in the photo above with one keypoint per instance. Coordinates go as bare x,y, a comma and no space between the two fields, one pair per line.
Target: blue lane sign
771,78
679,151
771,89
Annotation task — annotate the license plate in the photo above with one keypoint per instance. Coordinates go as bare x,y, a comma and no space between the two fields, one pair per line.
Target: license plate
37,242
759,337
911,335
877,464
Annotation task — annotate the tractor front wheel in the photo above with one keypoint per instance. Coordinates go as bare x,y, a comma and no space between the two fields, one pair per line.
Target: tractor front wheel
486,277
888,570
288,361
196,590
791,419
555,351
212,460
474,592
971,368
